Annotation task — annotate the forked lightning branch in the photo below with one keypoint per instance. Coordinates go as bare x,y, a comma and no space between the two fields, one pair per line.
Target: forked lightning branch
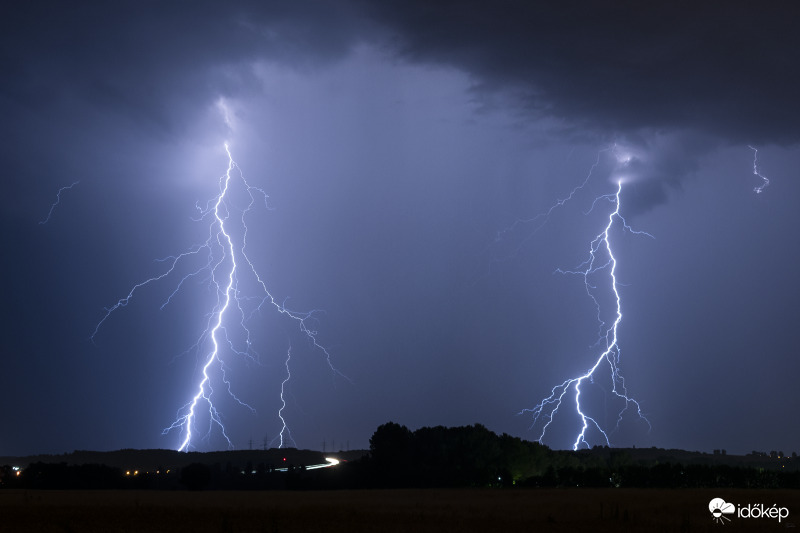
598,272
224,261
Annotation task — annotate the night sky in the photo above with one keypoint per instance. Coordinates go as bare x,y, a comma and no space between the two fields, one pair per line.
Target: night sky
406,148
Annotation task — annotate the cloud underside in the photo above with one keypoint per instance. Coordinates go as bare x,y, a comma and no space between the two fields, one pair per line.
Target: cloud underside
664,77
728,69
724,68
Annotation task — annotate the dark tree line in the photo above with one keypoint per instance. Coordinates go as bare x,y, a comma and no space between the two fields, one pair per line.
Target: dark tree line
474,456
468,456
443,457
195,476
63,476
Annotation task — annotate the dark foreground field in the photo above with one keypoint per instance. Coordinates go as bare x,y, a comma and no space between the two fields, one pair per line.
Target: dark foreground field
464,510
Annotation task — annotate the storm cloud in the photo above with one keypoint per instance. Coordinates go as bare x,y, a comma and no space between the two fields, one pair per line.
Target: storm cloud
396,140
728,69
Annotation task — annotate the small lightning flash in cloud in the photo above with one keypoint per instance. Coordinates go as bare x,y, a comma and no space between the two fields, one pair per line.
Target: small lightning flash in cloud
227,113
760,188
58,201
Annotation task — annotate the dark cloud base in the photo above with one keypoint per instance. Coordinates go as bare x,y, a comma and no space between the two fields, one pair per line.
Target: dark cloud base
729,69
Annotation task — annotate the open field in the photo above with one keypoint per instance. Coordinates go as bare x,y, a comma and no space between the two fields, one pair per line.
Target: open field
464,510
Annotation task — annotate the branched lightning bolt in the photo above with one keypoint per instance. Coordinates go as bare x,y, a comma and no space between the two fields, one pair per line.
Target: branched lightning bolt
58,201
226,262
601,259
760,188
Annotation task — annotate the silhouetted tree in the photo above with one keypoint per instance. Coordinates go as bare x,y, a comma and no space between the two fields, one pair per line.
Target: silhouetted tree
390,448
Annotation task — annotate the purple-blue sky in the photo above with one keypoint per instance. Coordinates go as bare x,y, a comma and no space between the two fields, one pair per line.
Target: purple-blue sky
395,140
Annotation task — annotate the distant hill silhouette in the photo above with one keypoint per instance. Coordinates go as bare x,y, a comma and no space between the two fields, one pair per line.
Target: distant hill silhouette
151,460
168,469
467,456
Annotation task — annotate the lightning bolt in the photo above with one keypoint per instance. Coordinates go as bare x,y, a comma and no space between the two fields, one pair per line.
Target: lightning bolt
226,262
58,201
284,427
601,260
759,189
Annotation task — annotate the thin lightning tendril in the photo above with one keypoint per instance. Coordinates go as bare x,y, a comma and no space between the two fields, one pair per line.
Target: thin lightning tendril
224,261
284,427
601,258
760,188
544,216
58,201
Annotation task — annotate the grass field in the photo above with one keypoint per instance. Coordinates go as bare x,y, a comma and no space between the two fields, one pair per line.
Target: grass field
464,510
